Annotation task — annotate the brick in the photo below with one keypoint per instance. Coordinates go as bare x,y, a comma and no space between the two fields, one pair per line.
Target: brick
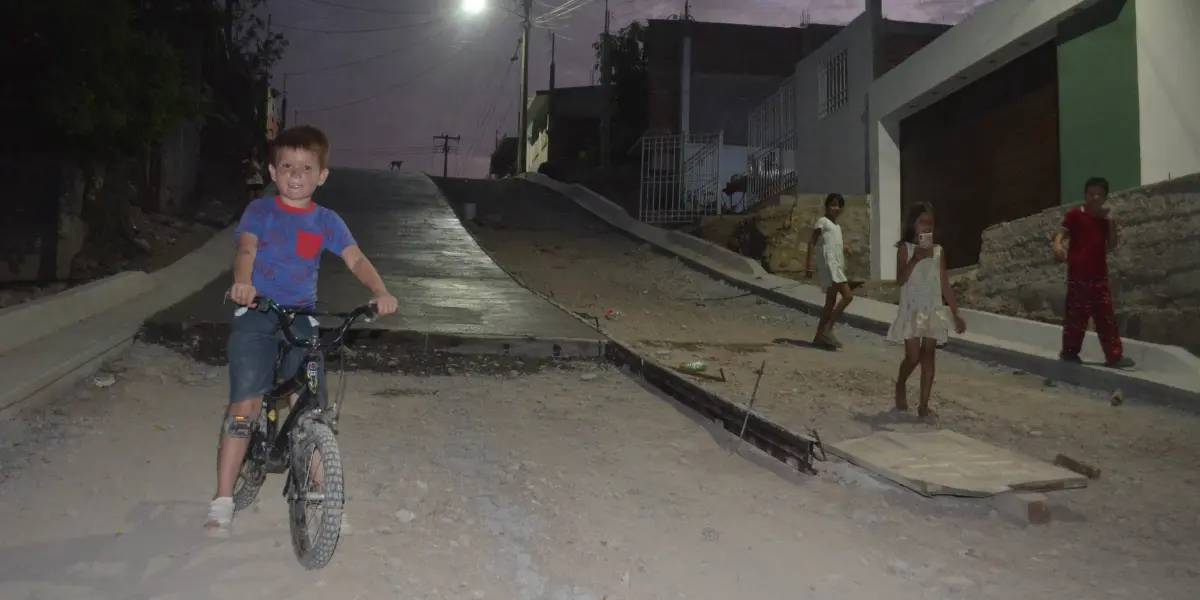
1024,507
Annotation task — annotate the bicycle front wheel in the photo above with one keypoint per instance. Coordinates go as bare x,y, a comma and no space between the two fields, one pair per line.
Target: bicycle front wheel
318,495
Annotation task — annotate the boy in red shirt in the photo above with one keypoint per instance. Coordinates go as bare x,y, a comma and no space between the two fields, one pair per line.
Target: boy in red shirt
1092,235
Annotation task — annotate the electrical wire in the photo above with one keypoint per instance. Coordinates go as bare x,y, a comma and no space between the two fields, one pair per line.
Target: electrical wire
365,9
432,67
434,33
351,31
479,127
561,11
496,88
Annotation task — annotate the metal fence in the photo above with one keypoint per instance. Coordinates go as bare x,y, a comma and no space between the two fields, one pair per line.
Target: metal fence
680,178
771,164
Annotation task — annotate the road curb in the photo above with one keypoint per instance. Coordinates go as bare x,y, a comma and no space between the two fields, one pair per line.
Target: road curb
793,449
76,348
383,350
30,321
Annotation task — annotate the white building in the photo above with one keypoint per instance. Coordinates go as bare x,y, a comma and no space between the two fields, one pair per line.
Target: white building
831,103
1011,110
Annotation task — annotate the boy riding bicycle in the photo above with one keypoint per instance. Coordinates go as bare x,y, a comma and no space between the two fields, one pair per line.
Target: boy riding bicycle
279,246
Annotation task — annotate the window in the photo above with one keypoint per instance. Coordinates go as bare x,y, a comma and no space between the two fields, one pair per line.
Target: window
832,84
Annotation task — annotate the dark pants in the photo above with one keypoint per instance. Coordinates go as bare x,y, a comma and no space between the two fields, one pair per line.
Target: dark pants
1090,299
254,344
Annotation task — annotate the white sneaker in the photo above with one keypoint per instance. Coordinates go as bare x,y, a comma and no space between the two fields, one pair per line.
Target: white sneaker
220,518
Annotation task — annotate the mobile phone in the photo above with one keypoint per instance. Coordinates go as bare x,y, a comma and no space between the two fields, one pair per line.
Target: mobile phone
925,240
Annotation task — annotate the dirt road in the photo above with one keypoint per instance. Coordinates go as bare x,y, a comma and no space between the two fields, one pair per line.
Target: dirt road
571,483
1129,535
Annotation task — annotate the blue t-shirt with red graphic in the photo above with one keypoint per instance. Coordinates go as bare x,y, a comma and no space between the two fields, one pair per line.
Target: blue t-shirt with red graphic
290,242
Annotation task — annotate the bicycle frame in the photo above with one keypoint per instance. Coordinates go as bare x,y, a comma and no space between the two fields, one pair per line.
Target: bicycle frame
272,452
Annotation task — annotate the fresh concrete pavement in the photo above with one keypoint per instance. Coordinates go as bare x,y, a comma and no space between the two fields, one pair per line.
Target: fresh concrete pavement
450,292
452,296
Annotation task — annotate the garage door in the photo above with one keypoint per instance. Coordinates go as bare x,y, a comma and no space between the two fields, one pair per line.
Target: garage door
986,154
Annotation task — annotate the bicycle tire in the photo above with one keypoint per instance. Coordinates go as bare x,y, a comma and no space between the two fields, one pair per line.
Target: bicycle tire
251,479
316,553
251,476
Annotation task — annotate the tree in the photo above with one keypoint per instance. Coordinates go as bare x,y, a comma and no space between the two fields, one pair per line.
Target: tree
630,85
503,161
92,83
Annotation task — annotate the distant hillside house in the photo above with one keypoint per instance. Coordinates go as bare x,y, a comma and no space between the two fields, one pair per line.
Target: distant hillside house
564,126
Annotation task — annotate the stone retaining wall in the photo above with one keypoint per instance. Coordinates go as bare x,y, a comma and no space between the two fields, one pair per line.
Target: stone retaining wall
778,234
1155,271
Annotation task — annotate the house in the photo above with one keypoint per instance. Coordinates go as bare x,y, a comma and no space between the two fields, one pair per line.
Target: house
1010,111
563,125
830,88
703,79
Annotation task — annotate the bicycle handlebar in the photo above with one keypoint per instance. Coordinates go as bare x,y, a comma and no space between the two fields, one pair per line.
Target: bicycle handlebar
287,316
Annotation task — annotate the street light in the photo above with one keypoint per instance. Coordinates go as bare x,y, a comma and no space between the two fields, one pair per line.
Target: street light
474,7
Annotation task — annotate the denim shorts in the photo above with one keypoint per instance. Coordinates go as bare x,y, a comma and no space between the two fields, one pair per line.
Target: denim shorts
254,344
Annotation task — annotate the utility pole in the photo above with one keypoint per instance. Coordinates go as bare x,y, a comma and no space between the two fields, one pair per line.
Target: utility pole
606,91
553,69
523,135
446,139
283,105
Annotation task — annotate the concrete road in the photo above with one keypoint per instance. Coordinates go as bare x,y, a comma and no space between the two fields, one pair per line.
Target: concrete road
445,283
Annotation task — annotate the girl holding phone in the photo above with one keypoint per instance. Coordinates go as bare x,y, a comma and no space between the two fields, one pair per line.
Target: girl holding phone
923,320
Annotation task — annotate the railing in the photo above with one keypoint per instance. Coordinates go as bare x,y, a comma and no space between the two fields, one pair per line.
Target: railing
680,178
771,166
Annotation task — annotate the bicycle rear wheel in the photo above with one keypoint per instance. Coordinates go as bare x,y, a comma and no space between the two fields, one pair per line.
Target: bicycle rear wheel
318,495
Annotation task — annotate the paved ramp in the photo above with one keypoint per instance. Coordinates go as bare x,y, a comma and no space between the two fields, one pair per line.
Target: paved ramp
446,284
945,463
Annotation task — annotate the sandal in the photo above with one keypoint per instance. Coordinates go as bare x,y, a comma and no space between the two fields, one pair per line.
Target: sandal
220,518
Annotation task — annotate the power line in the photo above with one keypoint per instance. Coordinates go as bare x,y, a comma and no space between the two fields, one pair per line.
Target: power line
446,139
432,67
351,31
495,96
434,33
562,10
365,9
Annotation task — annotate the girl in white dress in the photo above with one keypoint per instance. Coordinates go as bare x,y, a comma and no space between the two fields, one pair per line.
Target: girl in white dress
923,319
830,254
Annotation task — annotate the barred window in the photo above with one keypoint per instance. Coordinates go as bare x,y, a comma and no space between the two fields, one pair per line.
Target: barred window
832,84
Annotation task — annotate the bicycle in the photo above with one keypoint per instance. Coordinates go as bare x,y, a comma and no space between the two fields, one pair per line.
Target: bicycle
308,429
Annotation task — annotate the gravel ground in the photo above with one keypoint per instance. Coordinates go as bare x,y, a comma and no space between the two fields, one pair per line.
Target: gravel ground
550,485
1129,534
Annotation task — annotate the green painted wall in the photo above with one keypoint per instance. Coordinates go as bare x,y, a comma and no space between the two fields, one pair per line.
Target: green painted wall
1098,115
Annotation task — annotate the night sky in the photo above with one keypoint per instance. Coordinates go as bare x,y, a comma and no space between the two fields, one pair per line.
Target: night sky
382,77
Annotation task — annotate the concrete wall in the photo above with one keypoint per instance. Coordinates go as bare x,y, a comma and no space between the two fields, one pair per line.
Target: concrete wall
993,35
747,50
831,153
721,101
1155,271
1169,85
